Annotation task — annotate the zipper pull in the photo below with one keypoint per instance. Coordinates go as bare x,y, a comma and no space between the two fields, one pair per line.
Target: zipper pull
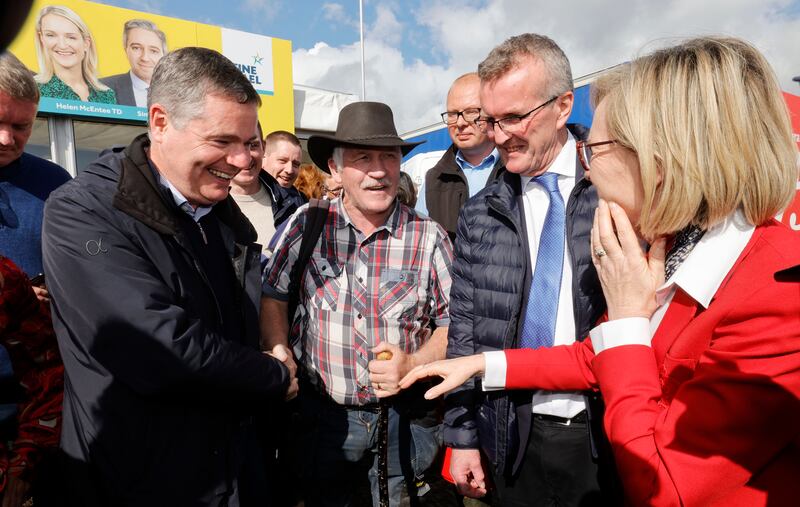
203,232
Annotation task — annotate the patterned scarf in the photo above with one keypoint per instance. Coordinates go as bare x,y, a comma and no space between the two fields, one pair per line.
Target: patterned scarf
685,241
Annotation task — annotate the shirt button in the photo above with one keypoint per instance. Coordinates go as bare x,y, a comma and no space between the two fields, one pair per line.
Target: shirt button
359,316
361,280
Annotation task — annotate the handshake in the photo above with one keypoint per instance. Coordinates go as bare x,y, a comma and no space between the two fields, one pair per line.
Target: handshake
284,354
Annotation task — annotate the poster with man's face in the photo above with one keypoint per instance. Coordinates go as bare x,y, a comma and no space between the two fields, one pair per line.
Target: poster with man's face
97,60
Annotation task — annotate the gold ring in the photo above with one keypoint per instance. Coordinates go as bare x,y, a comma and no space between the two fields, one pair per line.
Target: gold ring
378,385
599,252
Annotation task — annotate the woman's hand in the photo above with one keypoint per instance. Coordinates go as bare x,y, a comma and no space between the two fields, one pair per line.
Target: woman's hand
454,372
628,276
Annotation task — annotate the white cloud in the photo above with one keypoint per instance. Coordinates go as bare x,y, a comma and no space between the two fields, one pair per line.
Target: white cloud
336,12
387,28
594,35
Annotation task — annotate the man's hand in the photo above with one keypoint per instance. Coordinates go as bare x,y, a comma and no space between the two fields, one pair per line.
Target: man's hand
385,375
41,293
284,355
466,470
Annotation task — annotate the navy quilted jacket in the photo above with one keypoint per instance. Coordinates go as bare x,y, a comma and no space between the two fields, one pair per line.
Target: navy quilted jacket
491,274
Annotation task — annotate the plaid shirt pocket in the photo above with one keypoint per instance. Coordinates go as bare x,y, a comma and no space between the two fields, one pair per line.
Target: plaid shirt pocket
324,279
398,292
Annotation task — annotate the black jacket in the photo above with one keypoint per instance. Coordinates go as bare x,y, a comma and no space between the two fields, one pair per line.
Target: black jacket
491,278
285,201
123,88
158,400
446,189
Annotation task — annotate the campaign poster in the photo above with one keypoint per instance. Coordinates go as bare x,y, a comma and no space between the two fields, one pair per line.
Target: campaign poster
95,60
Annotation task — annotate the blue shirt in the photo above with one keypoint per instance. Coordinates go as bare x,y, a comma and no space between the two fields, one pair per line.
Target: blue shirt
25,184
477,176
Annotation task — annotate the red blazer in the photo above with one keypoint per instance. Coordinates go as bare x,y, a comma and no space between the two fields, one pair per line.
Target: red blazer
709,415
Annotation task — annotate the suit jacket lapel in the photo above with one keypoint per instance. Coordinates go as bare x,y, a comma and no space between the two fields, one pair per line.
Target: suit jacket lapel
682,309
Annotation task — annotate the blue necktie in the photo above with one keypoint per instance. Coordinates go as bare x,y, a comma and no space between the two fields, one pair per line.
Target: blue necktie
538,328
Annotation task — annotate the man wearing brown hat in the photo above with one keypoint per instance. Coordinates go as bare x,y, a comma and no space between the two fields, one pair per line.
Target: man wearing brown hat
378,281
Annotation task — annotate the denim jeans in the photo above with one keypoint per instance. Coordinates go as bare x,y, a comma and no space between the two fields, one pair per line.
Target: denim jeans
339,451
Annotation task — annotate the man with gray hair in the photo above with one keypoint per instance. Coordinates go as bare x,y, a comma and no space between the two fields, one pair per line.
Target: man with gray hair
523,277
373,297
144,46
155,283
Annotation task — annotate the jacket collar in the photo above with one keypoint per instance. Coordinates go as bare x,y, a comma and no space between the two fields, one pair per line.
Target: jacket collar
140,196
274,189
448,165
684,307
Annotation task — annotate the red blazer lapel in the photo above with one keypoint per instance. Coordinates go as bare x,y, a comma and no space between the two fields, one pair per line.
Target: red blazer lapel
681,310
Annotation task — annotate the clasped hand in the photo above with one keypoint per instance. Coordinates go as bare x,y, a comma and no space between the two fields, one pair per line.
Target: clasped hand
385,374
283,354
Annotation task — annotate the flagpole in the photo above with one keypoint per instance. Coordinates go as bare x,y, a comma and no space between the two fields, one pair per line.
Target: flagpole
361,29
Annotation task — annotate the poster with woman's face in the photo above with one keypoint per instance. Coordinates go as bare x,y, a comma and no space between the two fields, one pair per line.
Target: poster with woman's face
98,60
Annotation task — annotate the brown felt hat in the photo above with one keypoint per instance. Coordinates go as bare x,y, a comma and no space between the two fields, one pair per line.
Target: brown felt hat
360,124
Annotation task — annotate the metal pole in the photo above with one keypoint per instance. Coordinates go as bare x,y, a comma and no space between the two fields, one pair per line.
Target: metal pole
361,29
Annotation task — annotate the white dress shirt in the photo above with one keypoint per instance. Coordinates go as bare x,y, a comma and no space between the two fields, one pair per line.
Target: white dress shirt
139,90
700,276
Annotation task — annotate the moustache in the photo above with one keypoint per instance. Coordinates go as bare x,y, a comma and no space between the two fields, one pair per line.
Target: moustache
366,185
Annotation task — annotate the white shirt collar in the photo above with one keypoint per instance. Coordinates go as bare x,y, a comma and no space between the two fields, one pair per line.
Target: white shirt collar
563,165
137,83
182,202
709,262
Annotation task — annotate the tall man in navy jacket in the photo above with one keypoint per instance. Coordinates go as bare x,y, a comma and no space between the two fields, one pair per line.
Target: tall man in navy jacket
523,277
155,282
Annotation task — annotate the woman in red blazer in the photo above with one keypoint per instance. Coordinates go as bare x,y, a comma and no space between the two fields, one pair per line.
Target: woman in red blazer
699,359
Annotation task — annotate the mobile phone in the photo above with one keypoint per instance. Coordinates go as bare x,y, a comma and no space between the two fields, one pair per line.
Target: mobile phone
37,280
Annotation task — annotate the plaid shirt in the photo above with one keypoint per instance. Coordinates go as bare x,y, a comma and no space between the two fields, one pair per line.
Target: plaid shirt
359,291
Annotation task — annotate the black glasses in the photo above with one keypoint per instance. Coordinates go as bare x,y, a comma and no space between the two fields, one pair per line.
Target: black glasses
470,115
510,124
585,151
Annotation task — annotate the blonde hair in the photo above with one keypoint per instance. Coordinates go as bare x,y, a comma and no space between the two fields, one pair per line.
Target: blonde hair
708,123
89,64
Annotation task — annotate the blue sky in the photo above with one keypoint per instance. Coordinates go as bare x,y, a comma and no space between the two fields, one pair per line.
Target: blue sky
415,48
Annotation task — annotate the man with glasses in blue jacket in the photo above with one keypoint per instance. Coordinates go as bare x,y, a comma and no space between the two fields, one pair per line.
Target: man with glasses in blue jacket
523,277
